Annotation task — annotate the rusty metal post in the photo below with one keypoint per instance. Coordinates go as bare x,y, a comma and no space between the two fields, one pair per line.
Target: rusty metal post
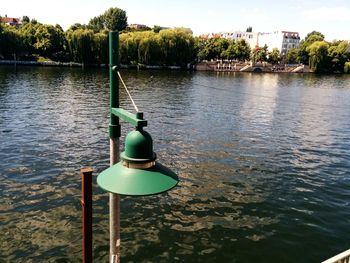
86,203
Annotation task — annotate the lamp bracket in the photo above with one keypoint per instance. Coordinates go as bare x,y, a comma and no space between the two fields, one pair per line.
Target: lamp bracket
134,119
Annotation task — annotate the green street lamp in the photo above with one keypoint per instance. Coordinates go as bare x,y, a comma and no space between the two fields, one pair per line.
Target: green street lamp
138,173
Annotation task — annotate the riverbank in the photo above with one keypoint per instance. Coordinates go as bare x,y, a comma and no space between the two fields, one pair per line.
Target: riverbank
42,63
219,66
81,65
228,66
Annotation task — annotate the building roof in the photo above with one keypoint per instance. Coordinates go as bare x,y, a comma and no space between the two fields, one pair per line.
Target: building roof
10,20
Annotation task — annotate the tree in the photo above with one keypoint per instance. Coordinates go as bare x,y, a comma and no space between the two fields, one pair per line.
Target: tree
168,47
249,29
243,50
214,48
113,19
314,36
27,31
338,55
81,45
76,26
156,28
318,56
177,46
97,23
10,42
274,56
303,55
259,54
100,46
25,19
292,56
49,40
230,52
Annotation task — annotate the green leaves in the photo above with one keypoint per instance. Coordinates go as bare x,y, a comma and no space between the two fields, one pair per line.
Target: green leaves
168,47
114,19
221,48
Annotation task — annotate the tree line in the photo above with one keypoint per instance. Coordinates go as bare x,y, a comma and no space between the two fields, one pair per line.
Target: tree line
320,55
88,44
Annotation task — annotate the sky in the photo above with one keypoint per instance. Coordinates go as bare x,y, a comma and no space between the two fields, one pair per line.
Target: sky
331,17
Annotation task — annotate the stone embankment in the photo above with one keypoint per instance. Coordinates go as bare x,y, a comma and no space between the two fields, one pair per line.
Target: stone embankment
43,63
229,66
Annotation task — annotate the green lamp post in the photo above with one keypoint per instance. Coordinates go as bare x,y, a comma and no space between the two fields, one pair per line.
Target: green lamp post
138,173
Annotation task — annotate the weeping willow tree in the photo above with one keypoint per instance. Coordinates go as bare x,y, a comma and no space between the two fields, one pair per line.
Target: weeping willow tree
168,47
318,56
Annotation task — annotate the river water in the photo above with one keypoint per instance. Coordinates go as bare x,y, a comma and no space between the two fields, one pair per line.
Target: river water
263,159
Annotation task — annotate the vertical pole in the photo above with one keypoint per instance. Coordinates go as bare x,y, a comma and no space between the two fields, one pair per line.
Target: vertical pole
86,202
114,135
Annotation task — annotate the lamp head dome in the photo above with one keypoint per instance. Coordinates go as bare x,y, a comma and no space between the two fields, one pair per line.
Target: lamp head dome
138,147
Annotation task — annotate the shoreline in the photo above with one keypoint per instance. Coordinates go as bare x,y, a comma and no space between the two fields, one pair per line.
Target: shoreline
81,65
260,67
213,66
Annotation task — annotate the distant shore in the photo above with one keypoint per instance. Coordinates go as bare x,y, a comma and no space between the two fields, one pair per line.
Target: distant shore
80,65
232,66
217,66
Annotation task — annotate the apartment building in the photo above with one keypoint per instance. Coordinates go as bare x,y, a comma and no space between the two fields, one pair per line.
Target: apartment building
282,40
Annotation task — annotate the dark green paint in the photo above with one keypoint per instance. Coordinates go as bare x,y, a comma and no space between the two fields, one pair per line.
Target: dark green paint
135,120
128,181
114,127
138,147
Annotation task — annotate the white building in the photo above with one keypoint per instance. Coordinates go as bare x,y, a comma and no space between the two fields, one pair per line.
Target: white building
250,37
282,40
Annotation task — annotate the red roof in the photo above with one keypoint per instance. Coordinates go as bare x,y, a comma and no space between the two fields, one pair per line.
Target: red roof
10,20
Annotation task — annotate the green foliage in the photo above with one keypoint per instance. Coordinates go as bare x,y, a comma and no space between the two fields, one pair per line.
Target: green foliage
49,40
274,56
318,56
76,26
168,47
101,47
314,36
220,48
303,54
338,54
249,29
10,42
292,56
243,50
347,67
259,54
25,19
113,19
156,28
82,45
97,23
157,46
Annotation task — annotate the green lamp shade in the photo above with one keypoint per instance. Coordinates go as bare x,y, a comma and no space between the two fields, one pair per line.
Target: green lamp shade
130,181
137,173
